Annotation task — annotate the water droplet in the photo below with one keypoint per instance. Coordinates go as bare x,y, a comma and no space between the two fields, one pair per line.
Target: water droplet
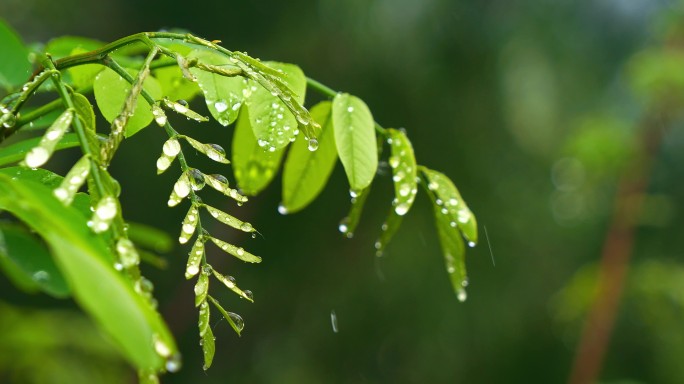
182,102
378,244
394,161
220,178
106,208
433,186
401,209
451,269
36,157
271,149
471,244
313,144
160,347
452,224
343,227
240,251
350,109
464,283
404,190
246,227
220,106
192,270
41,276
282,210
453,202
171,147
118,266
248,294
237,320
462,295
173,364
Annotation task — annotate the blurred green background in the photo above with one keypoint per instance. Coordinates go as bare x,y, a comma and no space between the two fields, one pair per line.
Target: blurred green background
535,108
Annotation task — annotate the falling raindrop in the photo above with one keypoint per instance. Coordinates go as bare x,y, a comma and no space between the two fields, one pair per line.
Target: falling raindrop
333,321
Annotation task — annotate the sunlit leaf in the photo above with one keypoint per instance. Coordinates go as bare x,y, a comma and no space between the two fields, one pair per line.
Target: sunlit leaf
33,259
404,171
15,67
83,76
355,139
306,172
64,46
238,252
100,290
273,124
174,85
254,166
111,92
223,95
452,207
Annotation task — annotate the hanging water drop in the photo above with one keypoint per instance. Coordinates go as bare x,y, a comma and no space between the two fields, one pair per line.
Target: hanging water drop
313,144
237,320
282,210
173,364
248,294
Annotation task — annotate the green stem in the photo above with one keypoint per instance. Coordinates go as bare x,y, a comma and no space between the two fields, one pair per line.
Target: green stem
81,134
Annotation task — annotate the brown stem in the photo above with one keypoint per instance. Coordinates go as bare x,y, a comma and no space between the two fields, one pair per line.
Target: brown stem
617,248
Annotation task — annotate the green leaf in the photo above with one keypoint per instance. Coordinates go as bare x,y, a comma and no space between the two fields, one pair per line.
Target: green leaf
233,319
223,95
254,166
273,124
454,252
208,348
452,206
65,45
17,151
174,85
306,172
111,92
32,257
404,171
106,295
355,139
83,76
15,67
85,112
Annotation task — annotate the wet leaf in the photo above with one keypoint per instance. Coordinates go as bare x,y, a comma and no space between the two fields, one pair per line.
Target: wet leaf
233,319
238,252
389,228
306,172
355,139
111,92
452,206
404,171
82,258
174,85
17,151
254,166
223,95
273,124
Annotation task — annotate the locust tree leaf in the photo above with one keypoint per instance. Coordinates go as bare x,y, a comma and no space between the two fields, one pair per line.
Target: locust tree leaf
33,259
86,263
452,206
111,92
15,67
273,124
254,166
404,171
223,95
355,139
306,172
174,85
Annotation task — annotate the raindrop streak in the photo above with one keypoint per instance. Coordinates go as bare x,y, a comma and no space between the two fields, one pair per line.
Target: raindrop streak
333,321
491,253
